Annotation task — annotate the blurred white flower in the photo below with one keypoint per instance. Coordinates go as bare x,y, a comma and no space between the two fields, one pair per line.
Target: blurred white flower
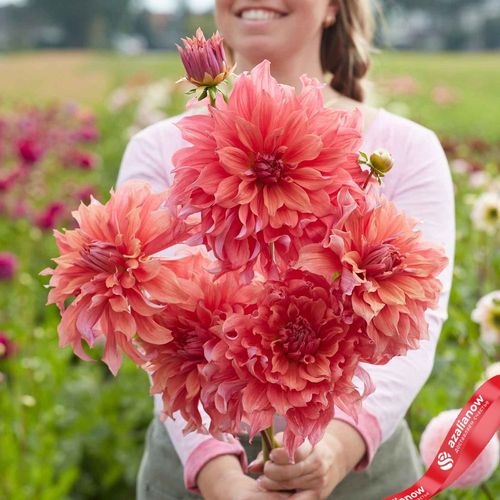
479,179
460,166
493,370
490,372
28,400
147,115
155,95
119,99
486,212
487,314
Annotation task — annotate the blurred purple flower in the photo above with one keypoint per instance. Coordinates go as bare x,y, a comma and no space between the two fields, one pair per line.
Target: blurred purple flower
81,159
87,133
8,266
29,150
20,209
49,218
7,347
84,193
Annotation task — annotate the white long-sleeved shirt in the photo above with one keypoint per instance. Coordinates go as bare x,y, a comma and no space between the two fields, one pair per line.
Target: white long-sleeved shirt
420,184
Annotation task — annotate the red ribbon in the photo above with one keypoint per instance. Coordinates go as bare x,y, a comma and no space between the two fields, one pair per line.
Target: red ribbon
472,430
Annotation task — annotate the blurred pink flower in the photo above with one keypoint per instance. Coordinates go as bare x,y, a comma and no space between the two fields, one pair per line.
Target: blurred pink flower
30,150
443,95
378,259
401,85
88,133
84,193
7,347
107,266
50,217
81,159
21,209
8,266
480,470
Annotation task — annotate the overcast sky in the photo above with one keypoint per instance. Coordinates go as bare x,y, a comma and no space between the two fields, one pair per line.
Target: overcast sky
157,5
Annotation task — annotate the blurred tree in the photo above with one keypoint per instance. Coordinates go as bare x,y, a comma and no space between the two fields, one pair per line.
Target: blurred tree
85,23
491,33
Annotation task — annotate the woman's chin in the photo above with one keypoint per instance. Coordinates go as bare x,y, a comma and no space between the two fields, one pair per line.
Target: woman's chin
257,53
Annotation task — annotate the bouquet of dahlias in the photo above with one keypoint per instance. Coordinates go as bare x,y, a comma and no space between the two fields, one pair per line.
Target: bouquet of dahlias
298,269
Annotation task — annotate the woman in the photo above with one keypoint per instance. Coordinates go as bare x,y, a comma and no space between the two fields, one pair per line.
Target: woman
375,457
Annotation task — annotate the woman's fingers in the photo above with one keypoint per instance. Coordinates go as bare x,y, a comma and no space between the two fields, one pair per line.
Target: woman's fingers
280,456
306,495
258,464
278,472
303,483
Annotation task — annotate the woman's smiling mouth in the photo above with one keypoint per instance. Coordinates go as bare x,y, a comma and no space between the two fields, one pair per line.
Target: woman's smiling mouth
259,14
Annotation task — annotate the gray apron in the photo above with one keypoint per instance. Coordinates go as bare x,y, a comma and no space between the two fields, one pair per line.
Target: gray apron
396,466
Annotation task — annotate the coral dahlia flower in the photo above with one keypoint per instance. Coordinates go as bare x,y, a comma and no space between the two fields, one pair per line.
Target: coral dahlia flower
376,258
262,167
193,360
297,357
107,266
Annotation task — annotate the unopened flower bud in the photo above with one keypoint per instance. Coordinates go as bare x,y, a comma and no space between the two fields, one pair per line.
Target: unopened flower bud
381,162
204,60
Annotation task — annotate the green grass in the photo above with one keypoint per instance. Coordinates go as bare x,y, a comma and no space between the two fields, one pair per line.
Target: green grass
474,77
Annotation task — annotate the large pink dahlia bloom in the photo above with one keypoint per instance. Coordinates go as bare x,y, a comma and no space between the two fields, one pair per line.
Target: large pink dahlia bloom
179,368
298,358
376,258
263,167
107,266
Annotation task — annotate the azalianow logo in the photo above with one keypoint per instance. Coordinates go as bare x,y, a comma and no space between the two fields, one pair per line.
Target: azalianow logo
445,461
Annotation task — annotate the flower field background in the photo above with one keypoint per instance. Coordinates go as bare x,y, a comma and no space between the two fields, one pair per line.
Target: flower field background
68,429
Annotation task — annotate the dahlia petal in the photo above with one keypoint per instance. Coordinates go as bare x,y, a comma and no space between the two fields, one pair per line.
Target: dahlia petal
273,198
249,135
112,356
151,331
295,198
233,160
307,148
391,294
318,260
227,192
143,305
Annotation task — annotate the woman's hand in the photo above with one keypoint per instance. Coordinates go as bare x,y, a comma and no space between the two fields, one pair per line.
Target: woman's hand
223,479
317,471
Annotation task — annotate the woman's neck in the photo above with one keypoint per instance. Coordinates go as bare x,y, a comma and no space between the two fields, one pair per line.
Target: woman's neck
289,71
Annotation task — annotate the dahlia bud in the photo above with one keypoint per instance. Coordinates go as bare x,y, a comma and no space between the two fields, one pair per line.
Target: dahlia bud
380,163
205,64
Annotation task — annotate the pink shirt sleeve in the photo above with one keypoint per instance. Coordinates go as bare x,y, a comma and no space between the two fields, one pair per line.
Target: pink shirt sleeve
419,184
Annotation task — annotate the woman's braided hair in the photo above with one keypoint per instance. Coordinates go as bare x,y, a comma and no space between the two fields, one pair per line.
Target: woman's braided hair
346,47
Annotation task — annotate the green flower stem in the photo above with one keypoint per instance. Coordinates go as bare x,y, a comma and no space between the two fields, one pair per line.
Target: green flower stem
268,442
266,445
367,180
